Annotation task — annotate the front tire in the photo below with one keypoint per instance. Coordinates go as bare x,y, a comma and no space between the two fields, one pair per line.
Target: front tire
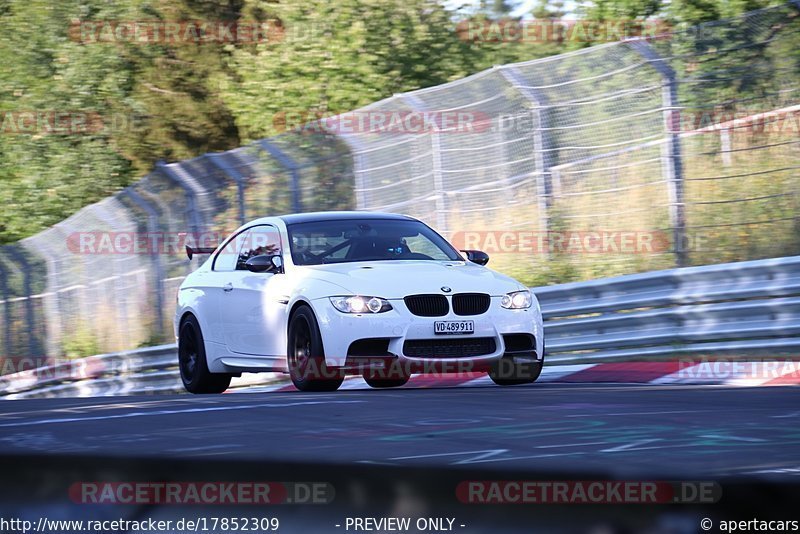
306,355
378,382
505,372
192,361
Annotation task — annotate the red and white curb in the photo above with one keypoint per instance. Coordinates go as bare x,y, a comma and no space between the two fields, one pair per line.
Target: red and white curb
717,372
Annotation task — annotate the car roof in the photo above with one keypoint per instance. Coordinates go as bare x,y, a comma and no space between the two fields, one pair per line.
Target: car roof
317,216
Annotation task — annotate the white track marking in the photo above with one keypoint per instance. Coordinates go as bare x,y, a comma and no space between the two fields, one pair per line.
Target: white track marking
631,446
563,445
640,413
205,448
479,456
172,412
733,438
786,416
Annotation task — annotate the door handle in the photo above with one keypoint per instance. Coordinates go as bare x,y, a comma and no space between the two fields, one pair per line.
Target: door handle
227,287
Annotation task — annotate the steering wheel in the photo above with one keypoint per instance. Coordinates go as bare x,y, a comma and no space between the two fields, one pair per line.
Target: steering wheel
311,258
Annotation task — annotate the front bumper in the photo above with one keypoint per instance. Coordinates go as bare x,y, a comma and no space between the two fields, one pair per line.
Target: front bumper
339,330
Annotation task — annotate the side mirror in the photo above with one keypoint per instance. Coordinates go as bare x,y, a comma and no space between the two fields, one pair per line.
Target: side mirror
265,264
477,256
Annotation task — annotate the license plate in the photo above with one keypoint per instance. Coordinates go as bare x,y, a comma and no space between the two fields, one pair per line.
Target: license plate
453,327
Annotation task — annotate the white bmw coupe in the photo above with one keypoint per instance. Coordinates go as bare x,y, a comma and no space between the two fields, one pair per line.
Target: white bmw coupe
323,295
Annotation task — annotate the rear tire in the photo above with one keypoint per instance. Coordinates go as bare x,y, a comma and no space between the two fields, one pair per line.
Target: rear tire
505,372
306,355
192,361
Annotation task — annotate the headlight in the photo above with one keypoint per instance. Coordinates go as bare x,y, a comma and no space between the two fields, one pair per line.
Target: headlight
359,304
518,300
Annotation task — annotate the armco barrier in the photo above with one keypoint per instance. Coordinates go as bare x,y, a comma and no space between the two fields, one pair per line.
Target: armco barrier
104,373
747,306
742,307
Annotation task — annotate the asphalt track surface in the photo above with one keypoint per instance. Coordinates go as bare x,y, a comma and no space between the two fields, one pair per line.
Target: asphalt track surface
606,430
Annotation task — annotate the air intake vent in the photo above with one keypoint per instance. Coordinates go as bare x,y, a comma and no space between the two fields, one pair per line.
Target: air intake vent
377,346
427,305
449,348
470,303
519,342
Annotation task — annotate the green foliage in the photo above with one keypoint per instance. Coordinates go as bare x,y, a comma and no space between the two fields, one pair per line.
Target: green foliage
167,101
176,88
44,177
686,12
335,57
151,102
81,343
175,101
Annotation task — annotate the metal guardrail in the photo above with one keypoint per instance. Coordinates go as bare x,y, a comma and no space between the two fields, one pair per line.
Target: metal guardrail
735,307
146,370
746,306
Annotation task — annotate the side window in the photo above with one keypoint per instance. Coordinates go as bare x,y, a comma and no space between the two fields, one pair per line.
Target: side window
259,241
226,258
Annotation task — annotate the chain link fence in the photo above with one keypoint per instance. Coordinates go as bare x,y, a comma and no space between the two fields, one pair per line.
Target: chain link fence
687,144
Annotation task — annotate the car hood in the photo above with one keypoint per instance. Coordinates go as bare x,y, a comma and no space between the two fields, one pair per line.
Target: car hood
396,279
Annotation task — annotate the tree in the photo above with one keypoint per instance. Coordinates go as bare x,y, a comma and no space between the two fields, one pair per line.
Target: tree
549,9
46,176
337,57
686,12
176,87
145,102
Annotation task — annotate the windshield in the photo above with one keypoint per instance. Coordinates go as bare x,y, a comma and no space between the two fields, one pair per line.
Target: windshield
342,241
